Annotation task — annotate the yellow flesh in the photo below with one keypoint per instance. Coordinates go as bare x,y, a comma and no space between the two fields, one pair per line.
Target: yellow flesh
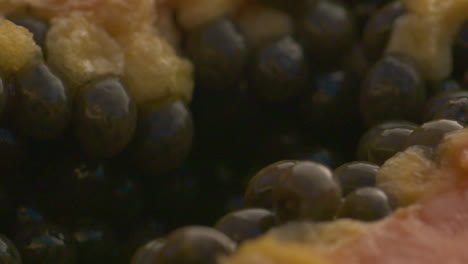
267,250
193,13
259,23
91,38
17,47
408,176
81,50
427,32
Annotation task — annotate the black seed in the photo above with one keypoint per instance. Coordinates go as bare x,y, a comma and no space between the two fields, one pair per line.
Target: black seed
387,143
246,224
148,253
105,117
430,134
373,132
163,137
435,104
393,89
259,190
219,54
306,190
195,244
278,71
43,104
366,204
354,175
455,109
378,29
326,30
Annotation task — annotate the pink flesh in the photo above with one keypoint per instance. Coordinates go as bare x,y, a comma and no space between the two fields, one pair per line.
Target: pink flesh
434,231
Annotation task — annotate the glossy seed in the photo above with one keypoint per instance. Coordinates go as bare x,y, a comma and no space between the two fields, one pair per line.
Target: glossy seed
195,244
387,143
105,117
278,71
219,54
326,30
435,103
148,253
306,190
354,175
43,104
430,134
373,132
455,109
163,138
378,29
259,189
246,224
392,89
366,204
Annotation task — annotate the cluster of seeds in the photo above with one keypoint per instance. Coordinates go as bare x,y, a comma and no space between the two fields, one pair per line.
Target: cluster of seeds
173,131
